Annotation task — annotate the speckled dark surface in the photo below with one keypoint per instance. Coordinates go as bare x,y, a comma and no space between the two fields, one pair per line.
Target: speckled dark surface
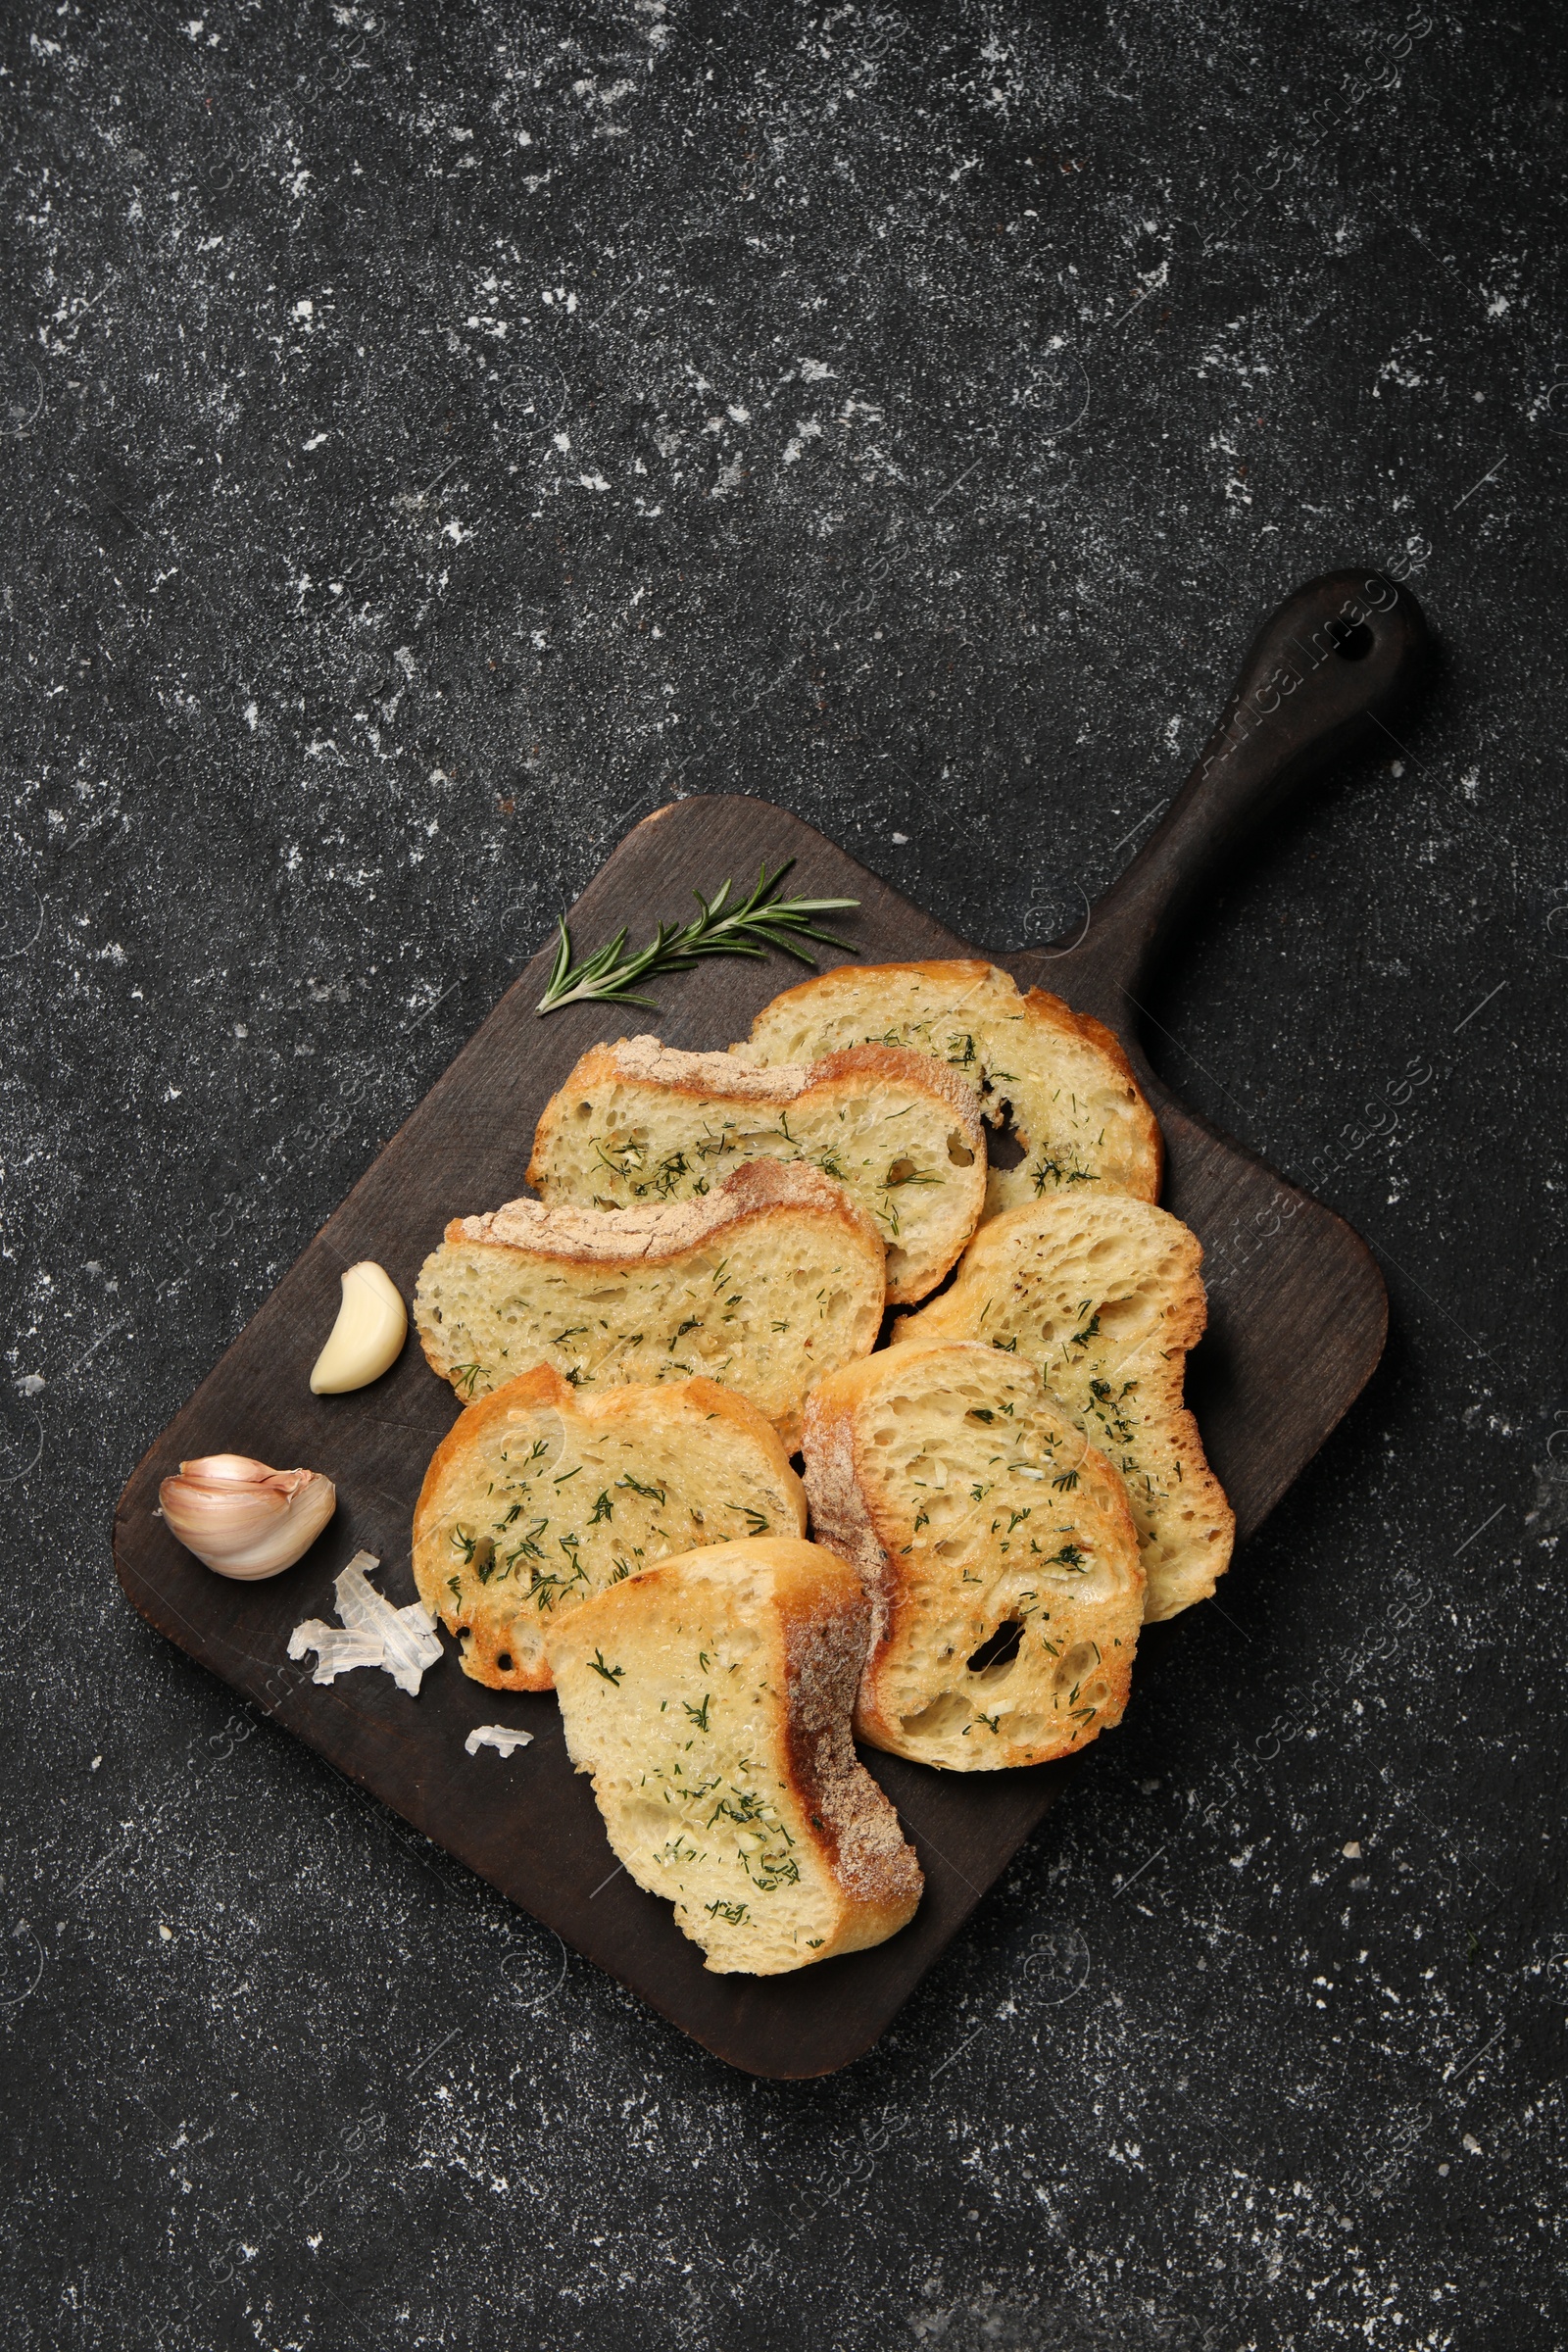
434,439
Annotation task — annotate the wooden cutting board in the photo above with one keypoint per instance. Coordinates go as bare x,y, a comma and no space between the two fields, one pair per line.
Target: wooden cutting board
1298,1314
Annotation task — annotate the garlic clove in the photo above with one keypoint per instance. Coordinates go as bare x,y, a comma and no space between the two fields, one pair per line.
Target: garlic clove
243,1518
368,1337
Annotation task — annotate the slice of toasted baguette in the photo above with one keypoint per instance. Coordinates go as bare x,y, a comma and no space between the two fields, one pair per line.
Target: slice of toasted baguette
775,1278
540,1495
1075,1104
901,1133
996,1548
1103,1293
710,1697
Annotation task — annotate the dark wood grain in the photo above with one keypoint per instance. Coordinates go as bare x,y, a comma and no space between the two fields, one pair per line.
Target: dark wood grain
1298,1322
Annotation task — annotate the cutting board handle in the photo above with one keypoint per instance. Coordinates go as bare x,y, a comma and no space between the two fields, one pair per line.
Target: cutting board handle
1331,661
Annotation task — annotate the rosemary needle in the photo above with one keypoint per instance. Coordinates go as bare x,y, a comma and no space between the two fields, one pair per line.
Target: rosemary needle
750,927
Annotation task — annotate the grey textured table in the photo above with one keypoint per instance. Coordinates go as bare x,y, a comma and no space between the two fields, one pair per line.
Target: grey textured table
434,438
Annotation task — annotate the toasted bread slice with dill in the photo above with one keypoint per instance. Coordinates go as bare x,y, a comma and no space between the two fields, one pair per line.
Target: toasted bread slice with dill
541,1494
1103,1293
1062,1076
772,1279
996,1548
638,1121
710,1697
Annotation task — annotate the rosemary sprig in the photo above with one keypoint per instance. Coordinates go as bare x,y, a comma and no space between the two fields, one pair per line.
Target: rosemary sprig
750,927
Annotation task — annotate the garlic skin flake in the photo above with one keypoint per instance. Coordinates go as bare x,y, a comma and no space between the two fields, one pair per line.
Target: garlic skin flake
402,1643
500,1736
408,1637
242,1518
337,1651
368,1337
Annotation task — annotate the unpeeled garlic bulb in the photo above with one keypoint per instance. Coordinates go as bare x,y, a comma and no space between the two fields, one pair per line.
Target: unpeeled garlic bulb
368,1337
241,1517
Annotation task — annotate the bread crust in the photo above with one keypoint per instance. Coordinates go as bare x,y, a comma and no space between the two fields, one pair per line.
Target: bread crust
488,1630
652,1235
706,1077
912,1586
658,1065
826,1625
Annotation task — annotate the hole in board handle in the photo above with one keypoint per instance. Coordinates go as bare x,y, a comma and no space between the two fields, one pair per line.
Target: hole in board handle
1352,641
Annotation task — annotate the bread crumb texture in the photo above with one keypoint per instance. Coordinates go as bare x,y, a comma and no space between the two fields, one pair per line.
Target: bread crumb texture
710,1698
996,1546
771,1279
638,1121
1062,1076
540,1495
1103,1293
